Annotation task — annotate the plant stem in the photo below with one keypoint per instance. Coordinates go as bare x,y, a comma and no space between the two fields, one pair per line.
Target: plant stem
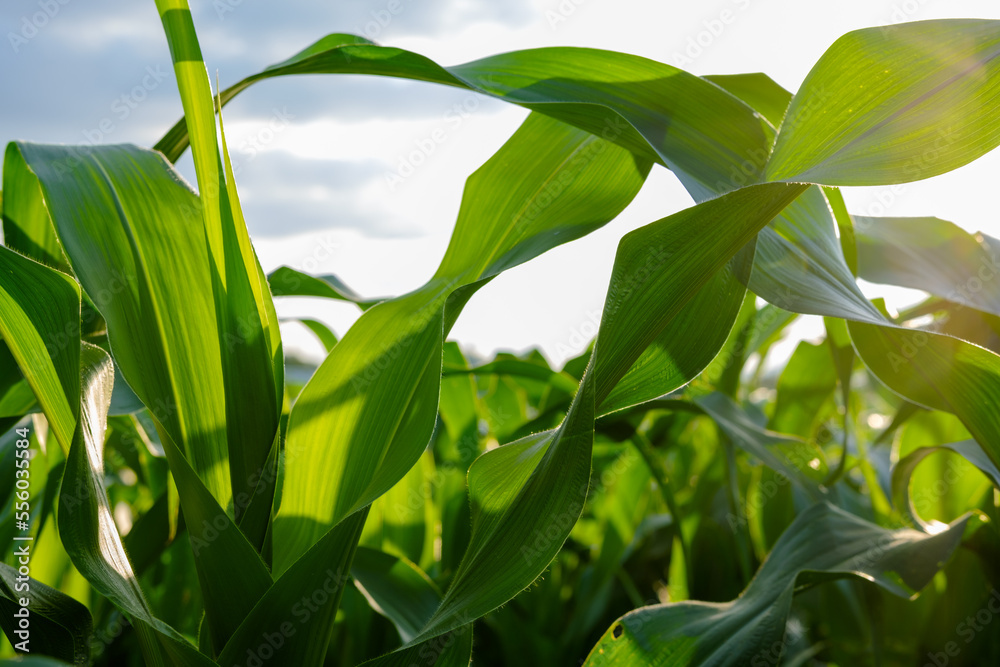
662,477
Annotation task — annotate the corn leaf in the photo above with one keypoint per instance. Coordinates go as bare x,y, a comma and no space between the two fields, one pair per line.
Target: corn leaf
88,531
894,104
712,141
40,323
932,255
823,543
59,627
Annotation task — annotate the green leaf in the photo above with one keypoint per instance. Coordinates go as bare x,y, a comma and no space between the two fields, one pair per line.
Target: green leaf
759,91
518,368
451,650
689,342
322,332
791,456
377,391
695,243
806,384
88,530
141,254
932,255
823,543
526,496
894,104
711,140
396,588
368,412
231,573
26,224
938,372
903,472
16,396
301,604
59,626
800,266
245,321
402,521
286,281
40,323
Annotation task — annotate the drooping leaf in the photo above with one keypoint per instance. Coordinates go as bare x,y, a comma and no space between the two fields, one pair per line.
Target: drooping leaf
286,281
791,456
527,495
932,255
689,342
322,332
397,588
903,472
695,243
712,141
937,372
58,625
823,543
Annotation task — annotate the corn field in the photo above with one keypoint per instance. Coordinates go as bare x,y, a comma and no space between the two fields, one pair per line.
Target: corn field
178,492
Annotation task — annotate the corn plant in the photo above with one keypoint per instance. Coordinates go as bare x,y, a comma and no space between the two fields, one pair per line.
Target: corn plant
177,492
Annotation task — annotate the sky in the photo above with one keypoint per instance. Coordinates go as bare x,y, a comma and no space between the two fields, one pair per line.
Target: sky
315,155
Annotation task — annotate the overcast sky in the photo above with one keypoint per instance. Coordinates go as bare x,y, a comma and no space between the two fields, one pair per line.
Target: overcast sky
313,153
